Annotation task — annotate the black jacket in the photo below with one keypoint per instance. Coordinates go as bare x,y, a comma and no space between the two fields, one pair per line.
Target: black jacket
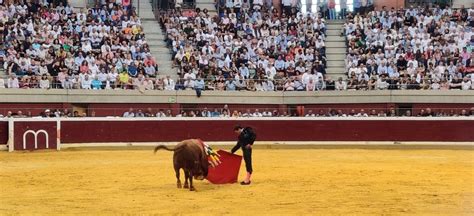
247,136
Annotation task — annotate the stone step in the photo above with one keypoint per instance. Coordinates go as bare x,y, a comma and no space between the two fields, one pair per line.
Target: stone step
148,23
146,14
3,73
332,44
336,39
158,47
333,32
167,70
335,22
163,66
151,26
336,76
154,30
154,39
334,27
336,50
156,36
335,70
156,42
162,55
162,52
165,63
335,64
334,56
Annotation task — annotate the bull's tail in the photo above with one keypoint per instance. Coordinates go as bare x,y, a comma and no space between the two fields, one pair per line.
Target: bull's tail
163,147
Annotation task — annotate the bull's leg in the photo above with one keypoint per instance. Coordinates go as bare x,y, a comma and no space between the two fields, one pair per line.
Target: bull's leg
186,177
191,187
178,182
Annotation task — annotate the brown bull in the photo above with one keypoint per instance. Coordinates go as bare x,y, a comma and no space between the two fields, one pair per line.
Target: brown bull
188,155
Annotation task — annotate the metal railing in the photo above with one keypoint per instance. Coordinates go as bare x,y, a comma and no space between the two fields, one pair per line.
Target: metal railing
285,84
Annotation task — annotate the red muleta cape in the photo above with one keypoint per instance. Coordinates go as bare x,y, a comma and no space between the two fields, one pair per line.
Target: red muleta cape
228,171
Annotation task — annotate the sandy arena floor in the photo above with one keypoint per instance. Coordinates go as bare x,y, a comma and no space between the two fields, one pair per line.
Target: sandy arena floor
286,182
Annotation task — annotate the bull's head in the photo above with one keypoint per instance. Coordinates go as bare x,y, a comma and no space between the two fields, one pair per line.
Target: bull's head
200,169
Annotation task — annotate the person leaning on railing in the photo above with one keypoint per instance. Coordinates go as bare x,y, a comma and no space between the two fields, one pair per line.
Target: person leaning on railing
317,83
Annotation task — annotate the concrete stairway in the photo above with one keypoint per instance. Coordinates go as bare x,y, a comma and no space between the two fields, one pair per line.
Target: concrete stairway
210,5
335,49
3,73
155,38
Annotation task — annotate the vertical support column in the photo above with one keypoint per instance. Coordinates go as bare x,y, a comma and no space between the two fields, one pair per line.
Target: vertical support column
58,134
11,135
282,108
175,108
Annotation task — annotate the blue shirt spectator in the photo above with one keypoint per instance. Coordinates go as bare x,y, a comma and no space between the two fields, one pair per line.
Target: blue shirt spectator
96,84
230,85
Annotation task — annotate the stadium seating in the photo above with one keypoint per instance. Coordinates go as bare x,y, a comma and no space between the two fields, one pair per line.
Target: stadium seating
48,45
416,48
243,47
248,48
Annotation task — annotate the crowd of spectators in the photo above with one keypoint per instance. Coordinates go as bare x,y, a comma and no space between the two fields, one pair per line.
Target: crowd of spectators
48,44
413,48
225,112
247,47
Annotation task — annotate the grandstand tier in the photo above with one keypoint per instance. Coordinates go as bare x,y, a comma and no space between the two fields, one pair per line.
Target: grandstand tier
252,46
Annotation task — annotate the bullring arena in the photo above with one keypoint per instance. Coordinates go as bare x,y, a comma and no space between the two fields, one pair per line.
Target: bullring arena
359,107
304,177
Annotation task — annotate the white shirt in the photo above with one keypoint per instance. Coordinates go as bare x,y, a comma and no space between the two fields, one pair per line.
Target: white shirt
169,84
466,85
44,84
341,85
257,114
13,83
190,75
86,84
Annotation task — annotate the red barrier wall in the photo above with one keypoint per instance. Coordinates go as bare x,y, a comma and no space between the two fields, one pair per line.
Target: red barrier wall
268,130
21,128
3,132
102,110
133,130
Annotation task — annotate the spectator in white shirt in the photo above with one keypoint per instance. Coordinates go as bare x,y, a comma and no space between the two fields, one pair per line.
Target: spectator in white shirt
257,113
13,82
44,82
169,83
341,85
86,82
310,114
189,83
268,86
129,113
267,113
466,84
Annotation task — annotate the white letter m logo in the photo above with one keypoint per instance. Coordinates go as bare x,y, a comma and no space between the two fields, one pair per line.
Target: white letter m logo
35,134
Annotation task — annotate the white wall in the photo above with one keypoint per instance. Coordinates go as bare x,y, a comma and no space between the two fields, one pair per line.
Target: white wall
78,3
466,3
